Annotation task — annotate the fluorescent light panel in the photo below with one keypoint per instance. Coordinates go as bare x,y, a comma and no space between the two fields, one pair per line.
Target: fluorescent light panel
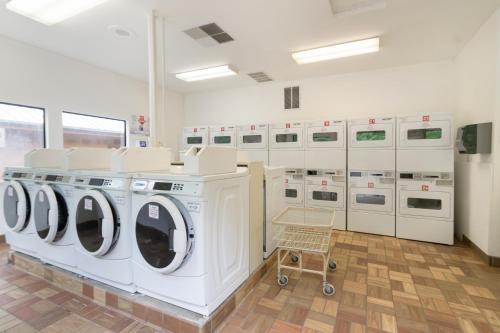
207,73
338,51
50,12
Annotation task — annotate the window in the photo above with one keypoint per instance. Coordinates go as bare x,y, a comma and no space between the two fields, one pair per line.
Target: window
221,140
425,134
290,193
370,135
423,203
370,199
90,131
324,136
252,138
194,140
324,196
283,138
22,128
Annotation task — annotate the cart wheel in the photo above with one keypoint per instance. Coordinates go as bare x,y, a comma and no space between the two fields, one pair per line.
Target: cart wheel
282,280
328,289
295,258
332,265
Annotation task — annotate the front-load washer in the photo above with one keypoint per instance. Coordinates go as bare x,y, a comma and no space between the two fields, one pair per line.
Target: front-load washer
286,145
52,208
274,204
223,136
327,189
425,207
190,237
193,136
294,187
101,216
425,143
16,196
326,145
253,143
371,202
372,144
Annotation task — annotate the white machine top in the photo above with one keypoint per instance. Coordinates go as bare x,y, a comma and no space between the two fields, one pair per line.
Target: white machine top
176,173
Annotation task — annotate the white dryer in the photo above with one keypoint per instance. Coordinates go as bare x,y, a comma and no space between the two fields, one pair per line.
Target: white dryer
253,143
372,144
294,188
286,145
16,197
52,208
102,202
326,145
223,136
190,237
371,202
274,204
425,207
193,136
425,143
327,189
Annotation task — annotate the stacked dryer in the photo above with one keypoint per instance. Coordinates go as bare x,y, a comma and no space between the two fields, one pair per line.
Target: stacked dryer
223,136
253,143
193,136
371,163
425,183
325,163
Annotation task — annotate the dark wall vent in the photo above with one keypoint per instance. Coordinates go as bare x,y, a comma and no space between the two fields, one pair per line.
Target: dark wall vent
292,98
260,77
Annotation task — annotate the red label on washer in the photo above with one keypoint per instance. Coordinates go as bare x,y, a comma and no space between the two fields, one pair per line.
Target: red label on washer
252,127
324,183
326,123
425,188
371,185
426,118
371,121
287,125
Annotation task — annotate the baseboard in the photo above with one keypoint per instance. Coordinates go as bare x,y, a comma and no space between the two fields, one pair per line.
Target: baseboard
492,261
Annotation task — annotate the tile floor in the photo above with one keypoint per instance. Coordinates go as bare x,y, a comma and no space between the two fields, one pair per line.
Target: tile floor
383,285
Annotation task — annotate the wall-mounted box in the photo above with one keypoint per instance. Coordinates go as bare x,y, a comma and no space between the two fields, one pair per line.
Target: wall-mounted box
475,139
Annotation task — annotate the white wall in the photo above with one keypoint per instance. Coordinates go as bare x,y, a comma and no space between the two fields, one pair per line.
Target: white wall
477,188
36,77
424,88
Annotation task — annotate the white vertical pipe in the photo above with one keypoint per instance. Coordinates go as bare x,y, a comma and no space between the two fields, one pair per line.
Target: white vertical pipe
152,77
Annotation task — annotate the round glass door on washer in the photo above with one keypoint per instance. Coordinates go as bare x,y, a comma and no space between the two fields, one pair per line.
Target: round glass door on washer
102,220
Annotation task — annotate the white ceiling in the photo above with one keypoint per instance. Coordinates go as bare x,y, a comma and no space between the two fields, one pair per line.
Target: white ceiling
265,33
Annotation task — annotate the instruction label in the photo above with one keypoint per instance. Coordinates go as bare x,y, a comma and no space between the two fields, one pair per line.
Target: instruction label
10,191
193,207
41,197
154,212
88,204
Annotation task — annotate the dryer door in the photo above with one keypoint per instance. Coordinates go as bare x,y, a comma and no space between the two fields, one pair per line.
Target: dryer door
431,134
372,199
294,194
285,138
97,225
50,214
161,234
252,139
372,135
325,196
16,206
325,137
425,203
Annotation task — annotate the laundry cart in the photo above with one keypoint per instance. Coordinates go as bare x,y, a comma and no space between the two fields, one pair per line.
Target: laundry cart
305,230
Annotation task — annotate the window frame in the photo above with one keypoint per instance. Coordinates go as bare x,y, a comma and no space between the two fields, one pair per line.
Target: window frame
44,118
125,137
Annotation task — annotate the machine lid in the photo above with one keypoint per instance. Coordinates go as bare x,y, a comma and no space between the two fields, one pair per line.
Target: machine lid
96,223
161,234
50,214
16,206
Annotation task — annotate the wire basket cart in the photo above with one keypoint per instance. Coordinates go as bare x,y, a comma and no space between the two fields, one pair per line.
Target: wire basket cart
305,230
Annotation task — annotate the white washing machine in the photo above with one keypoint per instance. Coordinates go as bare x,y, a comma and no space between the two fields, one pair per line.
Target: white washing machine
371,202
190,237
425,207
102,203
286,145
223,136
425,143
52,207
294,187
16,197
193,136
326,145
327,189
372,144
274,204
253,143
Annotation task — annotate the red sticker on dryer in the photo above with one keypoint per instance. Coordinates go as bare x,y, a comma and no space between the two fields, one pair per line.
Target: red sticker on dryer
252,127
222,129
286,181
425,188
371,185
195,130
371,121
287,125
324,183
326,123
426,118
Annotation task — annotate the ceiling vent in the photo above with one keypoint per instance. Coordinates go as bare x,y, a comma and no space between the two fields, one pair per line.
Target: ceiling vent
209,35
260,77
292,98
342,8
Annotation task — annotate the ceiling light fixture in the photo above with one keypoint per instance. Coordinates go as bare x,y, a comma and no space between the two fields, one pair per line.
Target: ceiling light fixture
349,49
207,73
50,12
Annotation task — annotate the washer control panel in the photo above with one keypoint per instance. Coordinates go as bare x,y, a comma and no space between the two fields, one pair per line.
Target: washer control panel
186,188
104,183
